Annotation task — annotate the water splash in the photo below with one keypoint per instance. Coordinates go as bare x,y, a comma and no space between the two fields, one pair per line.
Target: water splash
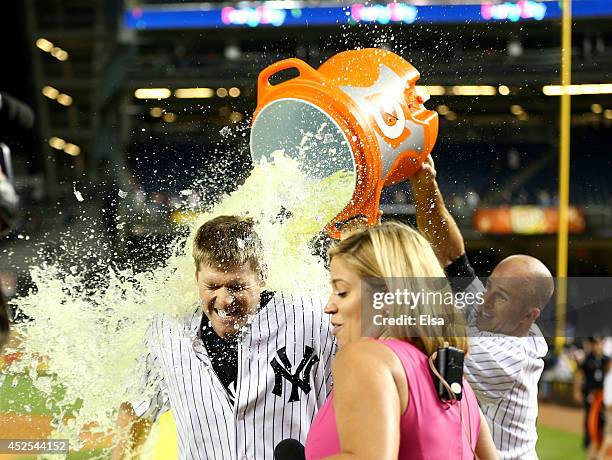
91,339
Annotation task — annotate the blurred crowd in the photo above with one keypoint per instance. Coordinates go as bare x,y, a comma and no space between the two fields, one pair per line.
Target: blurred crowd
582,373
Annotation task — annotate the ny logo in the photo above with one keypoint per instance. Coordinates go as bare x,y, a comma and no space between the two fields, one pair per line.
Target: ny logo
300,380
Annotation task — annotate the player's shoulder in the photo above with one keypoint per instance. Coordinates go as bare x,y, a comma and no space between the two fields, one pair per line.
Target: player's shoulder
165,327
303,309
495,344
301,303
164,321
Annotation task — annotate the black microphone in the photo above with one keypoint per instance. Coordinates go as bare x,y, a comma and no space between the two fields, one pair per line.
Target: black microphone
289,449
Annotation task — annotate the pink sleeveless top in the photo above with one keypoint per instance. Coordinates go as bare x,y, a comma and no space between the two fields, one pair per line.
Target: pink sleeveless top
429,429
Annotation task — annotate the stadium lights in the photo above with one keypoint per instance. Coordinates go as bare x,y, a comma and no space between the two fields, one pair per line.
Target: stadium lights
60,144
465,90
235,117
44,44
473,90
577,90
183,93
516,110
596,108
156,112
433,90
57,143
64,99
607,114
193,93
71,149
50,92
62,55
442,109
53,93
152,93
55,51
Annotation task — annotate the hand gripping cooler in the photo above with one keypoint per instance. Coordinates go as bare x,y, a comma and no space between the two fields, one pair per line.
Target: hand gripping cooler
359,113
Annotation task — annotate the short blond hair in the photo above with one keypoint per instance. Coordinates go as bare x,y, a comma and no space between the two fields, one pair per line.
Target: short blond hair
397,256
228,242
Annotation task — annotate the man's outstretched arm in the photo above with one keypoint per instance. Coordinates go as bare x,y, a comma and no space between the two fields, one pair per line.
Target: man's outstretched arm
132,432
433,218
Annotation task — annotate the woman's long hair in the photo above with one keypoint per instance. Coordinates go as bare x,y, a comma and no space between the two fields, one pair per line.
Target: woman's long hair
392,257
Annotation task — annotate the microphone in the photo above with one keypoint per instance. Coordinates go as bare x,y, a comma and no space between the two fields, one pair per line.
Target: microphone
289,449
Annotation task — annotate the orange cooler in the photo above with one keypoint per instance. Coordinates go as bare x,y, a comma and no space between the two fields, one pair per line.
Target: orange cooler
359,112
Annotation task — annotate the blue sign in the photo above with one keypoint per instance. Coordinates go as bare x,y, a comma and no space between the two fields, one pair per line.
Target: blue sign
271,15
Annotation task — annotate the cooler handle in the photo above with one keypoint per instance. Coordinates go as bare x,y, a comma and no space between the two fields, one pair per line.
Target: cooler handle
263,81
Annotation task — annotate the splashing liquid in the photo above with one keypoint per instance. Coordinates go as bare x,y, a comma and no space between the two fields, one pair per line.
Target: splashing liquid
92,341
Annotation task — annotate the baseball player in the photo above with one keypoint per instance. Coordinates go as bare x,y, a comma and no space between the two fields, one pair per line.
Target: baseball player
504,363
246,370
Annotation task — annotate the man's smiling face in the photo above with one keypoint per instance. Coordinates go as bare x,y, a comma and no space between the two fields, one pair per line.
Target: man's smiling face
506,303
229,296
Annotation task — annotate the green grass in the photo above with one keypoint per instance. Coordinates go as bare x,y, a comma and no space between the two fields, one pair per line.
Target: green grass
18,395
554,444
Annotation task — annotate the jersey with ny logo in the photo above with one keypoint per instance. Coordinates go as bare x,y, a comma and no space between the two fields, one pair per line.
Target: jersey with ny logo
284,377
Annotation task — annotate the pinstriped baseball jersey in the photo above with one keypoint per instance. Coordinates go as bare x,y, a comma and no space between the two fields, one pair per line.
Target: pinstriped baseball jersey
504,372
284,376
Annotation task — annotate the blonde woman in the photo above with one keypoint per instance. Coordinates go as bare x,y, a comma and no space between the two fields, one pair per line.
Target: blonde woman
384,404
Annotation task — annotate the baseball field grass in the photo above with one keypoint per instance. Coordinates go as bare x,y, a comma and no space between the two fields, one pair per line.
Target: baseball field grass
555,444
26,413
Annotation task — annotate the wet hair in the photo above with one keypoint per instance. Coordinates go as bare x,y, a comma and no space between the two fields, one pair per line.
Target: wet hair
228,242
395,256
